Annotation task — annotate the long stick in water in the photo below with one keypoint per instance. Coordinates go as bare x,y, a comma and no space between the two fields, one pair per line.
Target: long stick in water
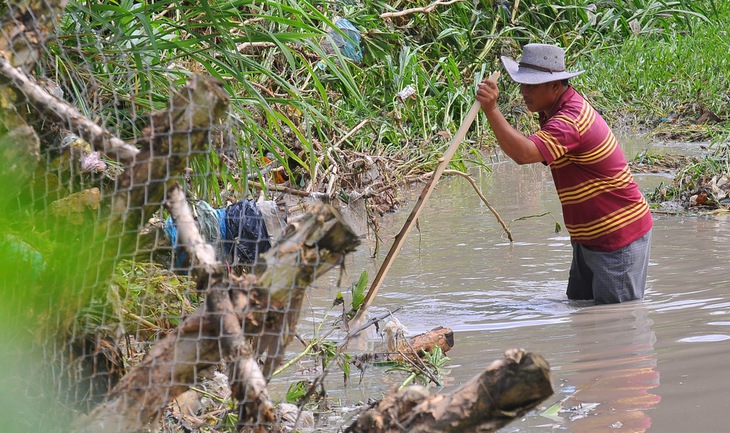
425,194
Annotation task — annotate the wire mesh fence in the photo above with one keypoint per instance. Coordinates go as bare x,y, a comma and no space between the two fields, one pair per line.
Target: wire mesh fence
170,186
140,260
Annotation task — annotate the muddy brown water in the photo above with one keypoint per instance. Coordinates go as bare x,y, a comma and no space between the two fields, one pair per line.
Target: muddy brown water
655,365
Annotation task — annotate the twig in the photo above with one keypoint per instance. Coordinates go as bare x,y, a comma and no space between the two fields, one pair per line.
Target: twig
264,89
331,185
143,321
352,132
514,11
484,200
426,9
246,45
292,191
369,191
422,368
351,333
522,218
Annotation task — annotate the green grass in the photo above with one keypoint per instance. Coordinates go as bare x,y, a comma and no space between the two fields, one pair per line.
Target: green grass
656,80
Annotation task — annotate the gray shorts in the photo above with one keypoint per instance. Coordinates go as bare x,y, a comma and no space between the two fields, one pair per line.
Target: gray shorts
610,277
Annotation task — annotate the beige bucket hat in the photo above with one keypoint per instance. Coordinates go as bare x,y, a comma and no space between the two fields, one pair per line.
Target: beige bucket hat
540,63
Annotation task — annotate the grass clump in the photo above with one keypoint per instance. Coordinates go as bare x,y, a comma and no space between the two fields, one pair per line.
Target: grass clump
669,86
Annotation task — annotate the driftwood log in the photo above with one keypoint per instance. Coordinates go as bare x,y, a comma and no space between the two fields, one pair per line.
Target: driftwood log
427,342
507,389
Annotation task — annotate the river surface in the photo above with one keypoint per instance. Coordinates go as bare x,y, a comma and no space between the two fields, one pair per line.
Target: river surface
654,365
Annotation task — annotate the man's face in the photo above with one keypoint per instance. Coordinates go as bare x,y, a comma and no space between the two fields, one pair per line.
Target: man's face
540,97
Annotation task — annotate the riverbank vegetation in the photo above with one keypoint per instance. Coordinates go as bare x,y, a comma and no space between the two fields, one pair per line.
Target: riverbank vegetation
374,103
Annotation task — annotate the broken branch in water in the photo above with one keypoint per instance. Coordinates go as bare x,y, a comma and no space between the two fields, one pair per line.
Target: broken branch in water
558,227
484,200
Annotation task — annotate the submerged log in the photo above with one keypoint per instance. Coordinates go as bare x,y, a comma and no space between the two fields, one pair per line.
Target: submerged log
507,389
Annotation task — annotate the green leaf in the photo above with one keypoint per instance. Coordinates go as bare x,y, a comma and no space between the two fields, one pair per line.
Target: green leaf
358,291
344,363
552,410
339,299
296,391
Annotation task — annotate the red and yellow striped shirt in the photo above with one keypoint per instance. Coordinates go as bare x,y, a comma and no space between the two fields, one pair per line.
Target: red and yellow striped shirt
603,207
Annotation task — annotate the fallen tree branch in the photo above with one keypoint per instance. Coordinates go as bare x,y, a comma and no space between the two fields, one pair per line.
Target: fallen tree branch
415,347
411,348
245,321
506,390
484,200
189,235
65,114
321,241
225,311
352,132
296,192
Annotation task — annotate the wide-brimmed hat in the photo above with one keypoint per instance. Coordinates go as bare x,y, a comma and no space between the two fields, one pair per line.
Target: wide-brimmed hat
540,63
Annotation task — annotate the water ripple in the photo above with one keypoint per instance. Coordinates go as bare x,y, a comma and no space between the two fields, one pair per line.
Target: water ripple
712,338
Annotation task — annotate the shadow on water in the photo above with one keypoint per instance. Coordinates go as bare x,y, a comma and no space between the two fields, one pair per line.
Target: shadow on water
653,365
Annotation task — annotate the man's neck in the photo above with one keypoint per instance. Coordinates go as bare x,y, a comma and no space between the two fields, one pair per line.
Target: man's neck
549,113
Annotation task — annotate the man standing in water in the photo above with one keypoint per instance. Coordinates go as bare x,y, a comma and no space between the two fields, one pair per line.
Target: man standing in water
604,211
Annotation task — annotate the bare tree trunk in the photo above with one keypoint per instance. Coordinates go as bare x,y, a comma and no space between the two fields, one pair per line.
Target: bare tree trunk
506,390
